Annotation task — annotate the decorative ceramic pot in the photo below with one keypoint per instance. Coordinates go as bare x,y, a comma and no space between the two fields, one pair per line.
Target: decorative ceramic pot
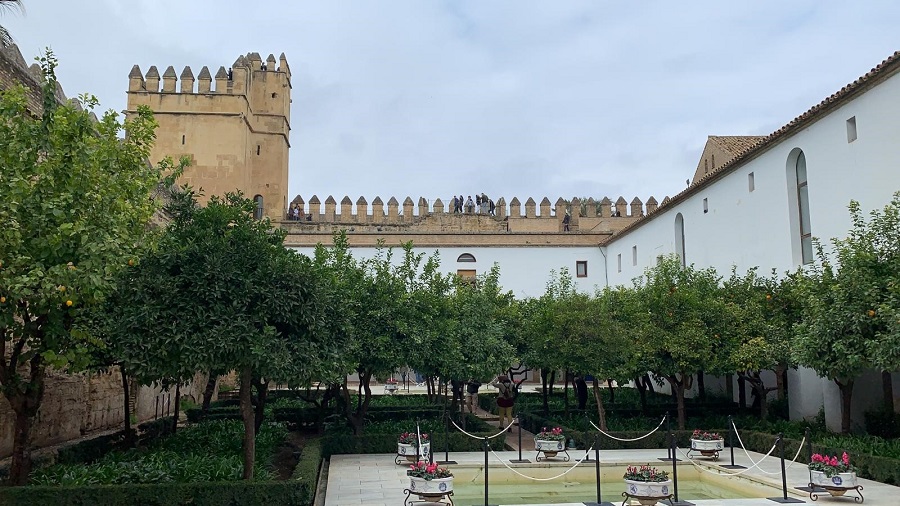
550,448
430,488
409,451
707,447
842,480
648,493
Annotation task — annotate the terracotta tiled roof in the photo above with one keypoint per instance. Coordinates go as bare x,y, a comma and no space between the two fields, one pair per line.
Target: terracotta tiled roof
736,144
880,72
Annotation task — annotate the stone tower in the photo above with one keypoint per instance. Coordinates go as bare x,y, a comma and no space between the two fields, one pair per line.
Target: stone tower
235,130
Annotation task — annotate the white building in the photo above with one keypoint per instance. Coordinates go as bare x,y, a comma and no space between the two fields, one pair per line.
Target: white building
759,209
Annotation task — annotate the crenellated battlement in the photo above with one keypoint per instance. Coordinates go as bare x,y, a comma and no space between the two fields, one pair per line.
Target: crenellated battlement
236,80
424,215
234,125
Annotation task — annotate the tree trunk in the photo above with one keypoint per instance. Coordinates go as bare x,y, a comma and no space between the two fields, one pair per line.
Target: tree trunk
846,397
701,386
729,387
551,381
566,393
546,406
249,419
177,407
612,391
887,390
742,393
642,391
678,391
209,390
126,408
25,399
781,381
601,413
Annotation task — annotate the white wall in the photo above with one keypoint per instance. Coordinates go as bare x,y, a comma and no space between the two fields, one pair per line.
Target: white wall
524,271
758,228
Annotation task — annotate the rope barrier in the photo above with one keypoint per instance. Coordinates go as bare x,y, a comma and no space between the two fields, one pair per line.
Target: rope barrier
802,442
721,471
567,471
629,440
479,437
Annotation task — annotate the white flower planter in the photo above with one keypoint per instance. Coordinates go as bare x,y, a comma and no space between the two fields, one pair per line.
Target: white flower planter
409,451
842,480
648,493
712,445
436,487
550,448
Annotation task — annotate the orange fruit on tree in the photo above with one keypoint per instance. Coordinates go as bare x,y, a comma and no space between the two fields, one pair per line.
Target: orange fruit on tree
62,288
130,263
871,313
69,303
2,300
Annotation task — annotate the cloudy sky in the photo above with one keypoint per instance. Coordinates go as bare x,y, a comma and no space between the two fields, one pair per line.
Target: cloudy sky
511,98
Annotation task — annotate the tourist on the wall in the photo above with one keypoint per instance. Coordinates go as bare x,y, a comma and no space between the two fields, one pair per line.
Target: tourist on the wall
566,219
470,206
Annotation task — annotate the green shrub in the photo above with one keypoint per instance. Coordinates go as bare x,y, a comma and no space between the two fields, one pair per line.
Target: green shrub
883,423
205,452
242,493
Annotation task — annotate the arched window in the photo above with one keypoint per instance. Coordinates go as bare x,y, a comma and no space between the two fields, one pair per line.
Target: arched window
679,238
258,212
806,246
466,257
798,205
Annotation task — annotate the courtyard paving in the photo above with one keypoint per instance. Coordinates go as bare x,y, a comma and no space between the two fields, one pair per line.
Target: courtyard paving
375,480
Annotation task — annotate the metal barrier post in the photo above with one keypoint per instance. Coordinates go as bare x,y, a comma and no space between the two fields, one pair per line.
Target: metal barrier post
784,499
731,434
447,441
485,443
597,475
520,460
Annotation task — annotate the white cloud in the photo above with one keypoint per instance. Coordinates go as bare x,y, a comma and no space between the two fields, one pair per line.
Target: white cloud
509,98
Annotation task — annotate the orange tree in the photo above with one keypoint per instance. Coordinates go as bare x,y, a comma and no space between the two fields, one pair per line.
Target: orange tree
76,203
849,300
221,292
681,321
596,330
763,312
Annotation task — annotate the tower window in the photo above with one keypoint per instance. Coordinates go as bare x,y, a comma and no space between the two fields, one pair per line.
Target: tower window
466,257
257,149
619,262
258,211
751,183
182,140
705,206
634,255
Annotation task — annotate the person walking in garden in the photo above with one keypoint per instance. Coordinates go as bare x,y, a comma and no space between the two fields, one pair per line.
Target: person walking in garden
581,391
506,399
472,394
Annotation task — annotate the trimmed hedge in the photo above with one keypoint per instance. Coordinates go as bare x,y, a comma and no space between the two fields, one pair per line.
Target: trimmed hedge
279,493
93,449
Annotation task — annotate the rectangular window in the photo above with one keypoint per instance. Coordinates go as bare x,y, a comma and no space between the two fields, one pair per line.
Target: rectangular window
581,268
705,206
634,255
851,129
619,260
751,184
467,275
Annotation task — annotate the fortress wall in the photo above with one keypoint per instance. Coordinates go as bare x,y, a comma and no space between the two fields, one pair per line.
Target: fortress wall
77,404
